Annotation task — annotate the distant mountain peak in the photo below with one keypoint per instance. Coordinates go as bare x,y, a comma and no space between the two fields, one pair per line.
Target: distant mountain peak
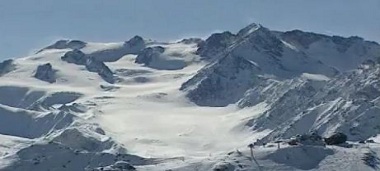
250,29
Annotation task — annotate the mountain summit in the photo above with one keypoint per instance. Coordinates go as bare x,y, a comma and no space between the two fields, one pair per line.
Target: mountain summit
289,100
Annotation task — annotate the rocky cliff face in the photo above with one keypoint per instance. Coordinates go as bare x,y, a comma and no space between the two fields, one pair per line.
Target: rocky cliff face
348,104
132,46
260,47
46,73
6,66
66,44
79,58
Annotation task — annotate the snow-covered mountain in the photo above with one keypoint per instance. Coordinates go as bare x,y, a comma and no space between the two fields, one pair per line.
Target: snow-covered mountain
193,104
279,55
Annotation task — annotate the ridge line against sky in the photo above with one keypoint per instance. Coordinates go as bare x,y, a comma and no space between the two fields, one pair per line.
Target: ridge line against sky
26,25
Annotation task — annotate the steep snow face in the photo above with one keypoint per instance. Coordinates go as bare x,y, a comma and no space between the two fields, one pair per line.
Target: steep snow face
339,52
31,124
346,104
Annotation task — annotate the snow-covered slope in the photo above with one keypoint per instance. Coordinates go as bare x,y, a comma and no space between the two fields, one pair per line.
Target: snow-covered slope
191,105
276,55
348,103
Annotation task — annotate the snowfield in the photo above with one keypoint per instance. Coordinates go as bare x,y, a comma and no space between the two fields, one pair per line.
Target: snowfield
193,104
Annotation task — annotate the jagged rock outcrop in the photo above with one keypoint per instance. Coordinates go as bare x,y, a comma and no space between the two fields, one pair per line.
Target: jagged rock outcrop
192,40
66,44
346,104
46,73
154,57
215,44
223,82
6,67
336,139
335,51
102,70
75,56
78,57
261,48
148,54
132,46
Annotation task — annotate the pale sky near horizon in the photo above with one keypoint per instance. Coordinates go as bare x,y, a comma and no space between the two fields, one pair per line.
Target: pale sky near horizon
27,25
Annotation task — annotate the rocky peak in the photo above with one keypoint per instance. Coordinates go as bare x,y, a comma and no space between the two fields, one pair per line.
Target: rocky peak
79,58
249,29
148,54
75,56
223,82
135,44
191,40
300,38
66,44
46,73
6,66
215,44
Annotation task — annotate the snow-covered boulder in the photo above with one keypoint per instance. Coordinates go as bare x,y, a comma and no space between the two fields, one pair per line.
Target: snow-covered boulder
223,166
46,73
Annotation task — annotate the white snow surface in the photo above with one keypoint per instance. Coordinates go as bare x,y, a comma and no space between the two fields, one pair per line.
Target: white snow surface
81,122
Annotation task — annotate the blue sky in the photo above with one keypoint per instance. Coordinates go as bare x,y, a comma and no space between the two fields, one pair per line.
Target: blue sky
26,25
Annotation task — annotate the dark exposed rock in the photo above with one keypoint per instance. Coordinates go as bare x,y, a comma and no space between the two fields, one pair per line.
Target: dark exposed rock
66,44
222,83
6,67
146,56
102,70
46,73
335,139
223,166
132,46
135,44
343,44
192,40
78,57
75,56
303,39
215,44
